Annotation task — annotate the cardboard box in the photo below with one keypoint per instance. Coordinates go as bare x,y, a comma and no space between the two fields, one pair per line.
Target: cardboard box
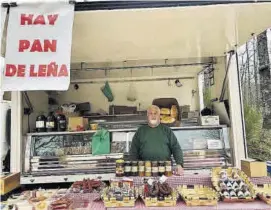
9,182
209,120
254,168
77,123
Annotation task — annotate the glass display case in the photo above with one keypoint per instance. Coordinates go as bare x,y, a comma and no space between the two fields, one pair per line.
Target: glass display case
65,156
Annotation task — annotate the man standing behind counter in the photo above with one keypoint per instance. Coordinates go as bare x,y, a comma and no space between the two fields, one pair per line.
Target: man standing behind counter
156,142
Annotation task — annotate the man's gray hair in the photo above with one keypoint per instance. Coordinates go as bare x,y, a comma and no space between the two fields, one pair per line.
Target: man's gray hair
153,107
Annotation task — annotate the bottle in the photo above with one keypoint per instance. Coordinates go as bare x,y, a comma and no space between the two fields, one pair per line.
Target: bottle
168,168
61,122
41,123
51,122
232,193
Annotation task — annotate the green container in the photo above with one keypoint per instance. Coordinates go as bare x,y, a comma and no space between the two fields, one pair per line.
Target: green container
101,142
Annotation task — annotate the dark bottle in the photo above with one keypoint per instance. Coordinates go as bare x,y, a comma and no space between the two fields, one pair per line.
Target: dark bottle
41,123
51,122
61,122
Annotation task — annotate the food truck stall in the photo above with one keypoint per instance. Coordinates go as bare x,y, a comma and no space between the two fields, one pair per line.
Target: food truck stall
122,60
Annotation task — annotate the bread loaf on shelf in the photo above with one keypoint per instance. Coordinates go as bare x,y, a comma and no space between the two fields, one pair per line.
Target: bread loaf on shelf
165,111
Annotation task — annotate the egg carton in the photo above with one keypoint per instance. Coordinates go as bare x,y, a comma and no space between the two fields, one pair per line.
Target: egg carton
198,195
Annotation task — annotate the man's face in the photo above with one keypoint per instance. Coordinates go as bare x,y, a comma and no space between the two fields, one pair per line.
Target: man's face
153,117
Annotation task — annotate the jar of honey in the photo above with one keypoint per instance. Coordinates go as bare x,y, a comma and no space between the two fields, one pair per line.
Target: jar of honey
154,168
141,168
119,168
148,168
161,168
127,168
134,168
168,168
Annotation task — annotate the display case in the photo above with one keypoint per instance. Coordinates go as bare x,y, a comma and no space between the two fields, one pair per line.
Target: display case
66,156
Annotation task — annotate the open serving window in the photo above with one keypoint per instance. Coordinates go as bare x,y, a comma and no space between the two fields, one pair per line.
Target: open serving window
186,53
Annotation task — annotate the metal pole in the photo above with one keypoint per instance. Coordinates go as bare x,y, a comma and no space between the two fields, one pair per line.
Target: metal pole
141,67
89,81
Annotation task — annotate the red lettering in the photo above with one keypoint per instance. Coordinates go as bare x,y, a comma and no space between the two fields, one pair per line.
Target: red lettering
42,70
63,72
32,71
49,44
39,20
23,45
10,70
26,19
52,19
52,70
21,71
36,46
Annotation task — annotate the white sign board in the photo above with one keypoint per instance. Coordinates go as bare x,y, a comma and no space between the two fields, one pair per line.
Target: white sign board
38,50
3,14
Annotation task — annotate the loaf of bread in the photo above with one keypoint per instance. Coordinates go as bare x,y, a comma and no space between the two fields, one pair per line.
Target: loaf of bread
165,111
174,111
167,119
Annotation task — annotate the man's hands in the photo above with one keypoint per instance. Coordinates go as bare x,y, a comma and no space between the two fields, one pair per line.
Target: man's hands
179,170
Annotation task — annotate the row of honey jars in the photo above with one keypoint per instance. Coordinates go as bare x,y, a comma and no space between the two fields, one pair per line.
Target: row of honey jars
143,168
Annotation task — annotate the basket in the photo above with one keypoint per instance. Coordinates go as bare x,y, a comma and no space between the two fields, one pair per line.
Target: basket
198,195
264,192
113,202
168,201
240,176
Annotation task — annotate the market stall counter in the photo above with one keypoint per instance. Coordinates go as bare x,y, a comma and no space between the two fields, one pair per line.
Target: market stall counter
92,195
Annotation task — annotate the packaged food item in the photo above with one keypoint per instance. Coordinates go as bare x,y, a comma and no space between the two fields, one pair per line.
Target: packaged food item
127,183
86,186
147,168
232,193
141,168
62,203
223,175
154,168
